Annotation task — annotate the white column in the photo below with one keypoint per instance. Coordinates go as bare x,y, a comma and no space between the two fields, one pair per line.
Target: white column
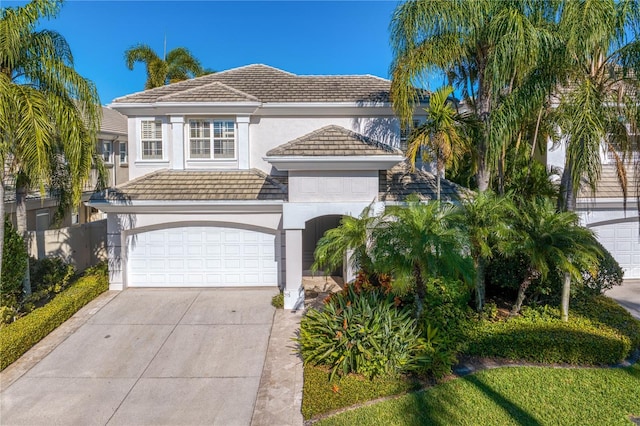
114,252
293,291
177,142
243,142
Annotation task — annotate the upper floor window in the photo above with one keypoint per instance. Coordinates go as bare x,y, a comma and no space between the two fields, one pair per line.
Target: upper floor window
212,139
122,150
107,151
151,140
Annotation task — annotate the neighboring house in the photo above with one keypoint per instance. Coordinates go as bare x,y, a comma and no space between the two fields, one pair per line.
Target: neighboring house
615,223
236,175
112,144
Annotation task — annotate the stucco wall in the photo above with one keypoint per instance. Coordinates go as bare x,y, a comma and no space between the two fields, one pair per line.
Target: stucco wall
330,186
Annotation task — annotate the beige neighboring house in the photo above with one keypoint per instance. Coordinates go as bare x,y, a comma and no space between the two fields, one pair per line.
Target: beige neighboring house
112,145
236,175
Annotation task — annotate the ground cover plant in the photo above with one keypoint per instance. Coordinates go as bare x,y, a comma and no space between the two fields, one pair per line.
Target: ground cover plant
513,396
19,336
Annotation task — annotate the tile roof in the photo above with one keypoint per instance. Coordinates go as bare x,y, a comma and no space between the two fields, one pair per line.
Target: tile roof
113,122
189,185
269,84
399,182
609,187
332,141
216,90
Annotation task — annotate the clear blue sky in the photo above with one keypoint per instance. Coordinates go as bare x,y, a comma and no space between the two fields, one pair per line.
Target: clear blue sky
303,37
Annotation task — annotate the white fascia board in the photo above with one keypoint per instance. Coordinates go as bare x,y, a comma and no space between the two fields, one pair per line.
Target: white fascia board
195,206
183,108
605,203
363,162
328,109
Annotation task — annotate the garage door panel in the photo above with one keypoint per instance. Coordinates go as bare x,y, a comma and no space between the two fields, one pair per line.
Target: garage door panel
201,256
621,239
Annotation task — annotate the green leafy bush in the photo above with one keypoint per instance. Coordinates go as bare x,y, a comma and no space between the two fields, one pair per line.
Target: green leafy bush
361,332
609,274
14,264
50,273
21,335
277,301
598,333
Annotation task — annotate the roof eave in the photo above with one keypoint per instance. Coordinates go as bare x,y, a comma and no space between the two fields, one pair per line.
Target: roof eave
173,108
355,162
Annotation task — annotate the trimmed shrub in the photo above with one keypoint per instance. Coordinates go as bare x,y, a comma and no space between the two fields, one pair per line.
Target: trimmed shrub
14,264
21,335
277,301
539,335
51,273
361,332
608,275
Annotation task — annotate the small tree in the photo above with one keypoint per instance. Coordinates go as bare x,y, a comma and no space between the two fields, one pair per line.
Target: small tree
14,264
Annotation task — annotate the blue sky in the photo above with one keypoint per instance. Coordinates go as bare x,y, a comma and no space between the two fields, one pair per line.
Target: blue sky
303,37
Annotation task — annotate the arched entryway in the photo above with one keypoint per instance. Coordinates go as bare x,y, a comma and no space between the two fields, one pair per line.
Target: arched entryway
313,231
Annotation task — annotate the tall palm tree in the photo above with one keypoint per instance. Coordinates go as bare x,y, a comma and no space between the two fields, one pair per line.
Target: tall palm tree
417,241
486,222
486,48
553,243
441,136
48,109
598,97
178,64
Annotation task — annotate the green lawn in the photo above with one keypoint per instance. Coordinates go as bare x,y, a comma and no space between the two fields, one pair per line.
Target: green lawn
517,396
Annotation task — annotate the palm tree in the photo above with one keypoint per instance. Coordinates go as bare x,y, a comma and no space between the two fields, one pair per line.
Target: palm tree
177,65
440,136
486,48
48,109
352,236
552,242
420,240
598,98
486,222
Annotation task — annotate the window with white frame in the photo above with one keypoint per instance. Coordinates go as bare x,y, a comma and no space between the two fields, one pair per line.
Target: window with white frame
107,151
212,139
151,140
122,150
405,132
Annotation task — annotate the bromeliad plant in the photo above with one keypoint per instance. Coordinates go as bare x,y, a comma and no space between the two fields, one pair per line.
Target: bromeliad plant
361,332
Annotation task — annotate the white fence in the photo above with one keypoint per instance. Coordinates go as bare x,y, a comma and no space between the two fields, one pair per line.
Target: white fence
82,245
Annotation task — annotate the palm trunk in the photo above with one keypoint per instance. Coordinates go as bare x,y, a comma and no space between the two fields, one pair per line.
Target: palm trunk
2,213
483,110
421,290
480,288
21,228
567,199
532,274
438,185
566,291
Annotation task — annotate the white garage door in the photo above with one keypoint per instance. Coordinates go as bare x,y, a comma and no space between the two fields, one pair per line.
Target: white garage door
201,257
623,241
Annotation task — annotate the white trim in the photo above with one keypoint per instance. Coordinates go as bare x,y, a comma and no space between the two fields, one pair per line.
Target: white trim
359,162
149,206
212,157
164,126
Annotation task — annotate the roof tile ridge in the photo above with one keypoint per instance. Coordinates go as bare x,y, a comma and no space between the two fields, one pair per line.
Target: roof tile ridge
177,84
213,83
268,178
140,178
273,68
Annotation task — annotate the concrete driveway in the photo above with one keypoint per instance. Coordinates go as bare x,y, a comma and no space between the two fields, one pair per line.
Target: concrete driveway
627,295
152,356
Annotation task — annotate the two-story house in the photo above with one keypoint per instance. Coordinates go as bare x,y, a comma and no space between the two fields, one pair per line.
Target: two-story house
236,175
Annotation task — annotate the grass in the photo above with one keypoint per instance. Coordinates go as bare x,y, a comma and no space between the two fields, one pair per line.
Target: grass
513,396
321,396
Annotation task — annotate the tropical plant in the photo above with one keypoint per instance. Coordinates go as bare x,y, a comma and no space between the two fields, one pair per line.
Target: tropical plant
486,222
417,241
486,48
598,105
552,243
14,261
48,109
441,136
353,238
176,65
360,332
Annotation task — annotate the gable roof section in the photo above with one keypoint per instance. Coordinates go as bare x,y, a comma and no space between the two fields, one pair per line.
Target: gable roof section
192,185
205,93
397,183
332,141
113,122
268,84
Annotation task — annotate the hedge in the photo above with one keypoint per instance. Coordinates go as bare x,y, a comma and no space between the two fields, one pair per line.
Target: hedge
599,332
19,336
